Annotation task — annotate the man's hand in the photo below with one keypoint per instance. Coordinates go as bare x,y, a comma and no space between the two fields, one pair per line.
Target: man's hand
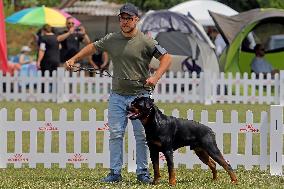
71,30
38,65
152,81
69,63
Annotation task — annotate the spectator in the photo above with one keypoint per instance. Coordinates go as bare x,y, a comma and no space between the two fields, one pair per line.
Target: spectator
48,54
218,41
71,45
99,60
259,64
27,64
24,57
132,52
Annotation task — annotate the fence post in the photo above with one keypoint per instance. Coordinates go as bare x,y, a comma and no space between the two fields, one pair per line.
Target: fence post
131,154
276,135
60,85
3,136
207,87
281,85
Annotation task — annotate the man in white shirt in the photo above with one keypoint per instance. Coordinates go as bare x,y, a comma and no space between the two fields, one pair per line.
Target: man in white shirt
218,41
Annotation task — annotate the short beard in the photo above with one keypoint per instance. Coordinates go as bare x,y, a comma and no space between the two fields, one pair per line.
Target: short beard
129,31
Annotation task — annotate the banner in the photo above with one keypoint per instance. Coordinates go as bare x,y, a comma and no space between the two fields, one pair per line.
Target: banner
3,44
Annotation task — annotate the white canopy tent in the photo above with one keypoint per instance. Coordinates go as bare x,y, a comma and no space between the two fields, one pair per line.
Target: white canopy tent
198,9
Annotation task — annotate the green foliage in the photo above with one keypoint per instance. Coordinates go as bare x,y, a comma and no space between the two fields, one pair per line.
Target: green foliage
48,3
271,3
146,5
244,5
31,3
27,3
240,5
17,35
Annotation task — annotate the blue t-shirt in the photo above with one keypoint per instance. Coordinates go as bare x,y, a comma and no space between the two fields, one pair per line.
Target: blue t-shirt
259,65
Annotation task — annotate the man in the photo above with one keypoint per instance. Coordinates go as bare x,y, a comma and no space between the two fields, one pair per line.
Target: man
131,52
259,64
71,45
218,41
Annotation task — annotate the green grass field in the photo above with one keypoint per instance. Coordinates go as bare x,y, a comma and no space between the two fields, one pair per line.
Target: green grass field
90,178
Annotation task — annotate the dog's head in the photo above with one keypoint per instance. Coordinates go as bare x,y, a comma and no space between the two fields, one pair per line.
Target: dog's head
140,108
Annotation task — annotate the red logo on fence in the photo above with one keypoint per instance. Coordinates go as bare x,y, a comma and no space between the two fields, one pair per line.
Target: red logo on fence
75,97
194,81
252,99
77,158
249,128
105,128
179,97
31,97
48,127
221,98
18,158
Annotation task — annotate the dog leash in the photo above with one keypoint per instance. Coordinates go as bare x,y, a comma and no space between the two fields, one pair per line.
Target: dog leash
107,74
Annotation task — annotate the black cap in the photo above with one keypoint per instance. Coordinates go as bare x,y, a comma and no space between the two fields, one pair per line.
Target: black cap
130,9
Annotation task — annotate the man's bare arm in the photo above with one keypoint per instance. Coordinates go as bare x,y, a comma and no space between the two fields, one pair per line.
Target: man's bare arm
165,63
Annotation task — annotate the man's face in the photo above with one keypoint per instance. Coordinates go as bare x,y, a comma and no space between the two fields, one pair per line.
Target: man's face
127,22
70,23
260,51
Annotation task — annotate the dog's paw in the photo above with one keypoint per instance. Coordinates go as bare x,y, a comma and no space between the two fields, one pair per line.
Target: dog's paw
155,181
234,181
172,182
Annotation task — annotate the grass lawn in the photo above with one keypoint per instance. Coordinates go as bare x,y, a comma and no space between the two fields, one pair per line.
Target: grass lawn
90,178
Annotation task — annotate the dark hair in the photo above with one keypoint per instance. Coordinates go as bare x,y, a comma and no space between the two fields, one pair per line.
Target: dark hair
69,17
47,28
257,47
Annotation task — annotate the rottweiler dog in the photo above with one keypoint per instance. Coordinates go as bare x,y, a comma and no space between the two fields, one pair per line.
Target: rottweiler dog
167,133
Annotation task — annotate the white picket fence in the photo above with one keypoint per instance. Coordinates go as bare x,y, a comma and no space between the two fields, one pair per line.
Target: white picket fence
255,134
173,87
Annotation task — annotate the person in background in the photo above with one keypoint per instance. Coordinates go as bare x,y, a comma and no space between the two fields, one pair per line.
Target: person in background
131,52
48,54
71,45
99,60
28,66
259,64
218,41
24,57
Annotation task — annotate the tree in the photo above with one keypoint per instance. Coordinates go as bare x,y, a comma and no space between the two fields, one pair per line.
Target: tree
244,5
271,3
20,4
241,5
146,5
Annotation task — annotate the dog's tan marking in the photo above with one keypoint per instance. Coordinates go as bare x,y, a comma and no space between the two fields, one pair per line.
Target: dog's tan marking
172,177
157,175
157,143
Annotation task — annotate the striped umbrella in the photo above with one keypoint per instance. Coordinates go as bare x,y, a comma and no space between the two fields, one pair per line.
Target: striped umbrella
38,16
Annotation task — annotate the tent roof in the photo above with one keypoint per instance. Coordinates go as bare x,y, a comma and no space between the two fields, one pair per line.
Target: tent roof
164,21
231,26
199,10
